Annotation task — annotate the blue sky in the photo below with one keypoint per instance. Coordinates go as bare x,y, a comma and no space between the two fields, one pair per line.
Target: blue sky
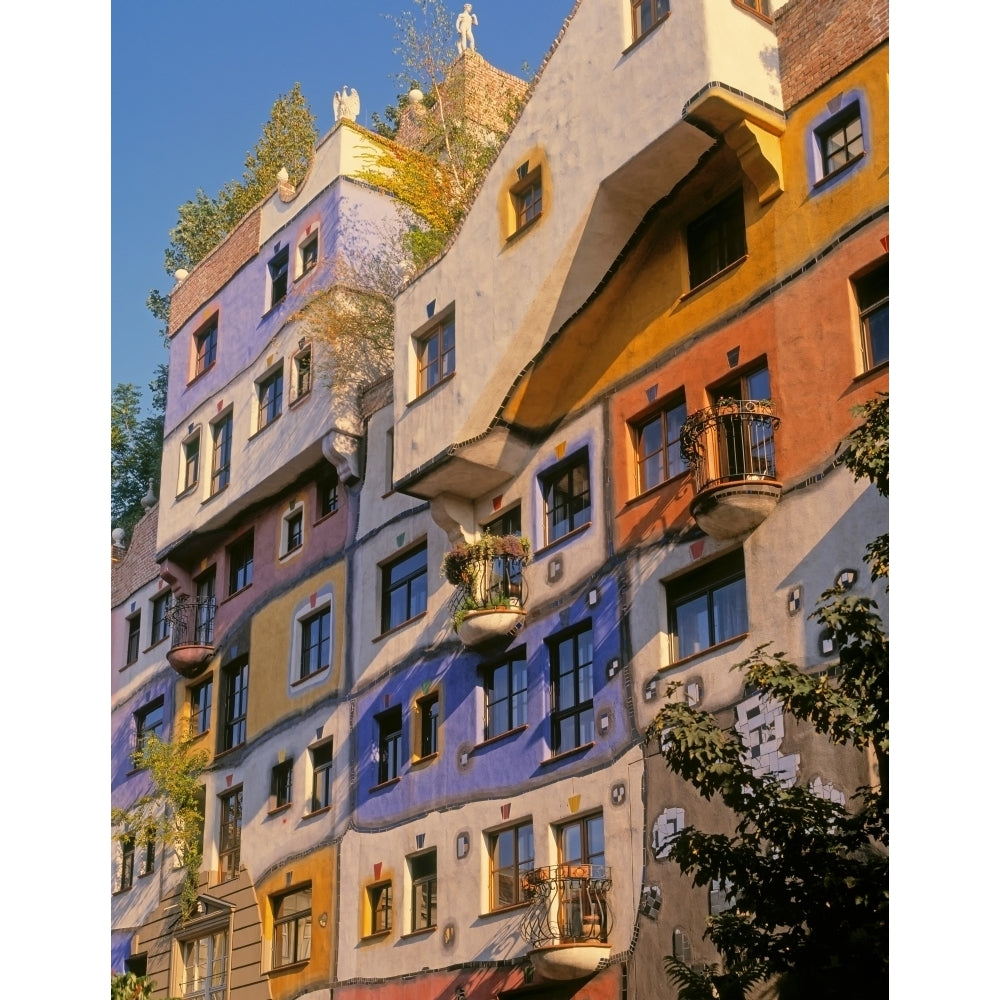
193,82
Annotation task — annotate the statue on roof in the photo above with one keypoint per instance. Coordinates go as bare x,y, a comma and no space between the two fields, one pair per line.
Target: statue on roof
346,104
463,25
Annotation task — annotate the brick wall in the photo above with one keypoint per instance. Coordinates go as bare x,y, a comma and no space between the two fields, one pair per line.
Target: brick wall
817,39
215,270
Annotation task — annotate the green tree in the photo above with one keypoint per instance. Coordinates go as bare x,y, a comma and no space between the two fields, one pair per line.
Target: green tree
129,986
808,878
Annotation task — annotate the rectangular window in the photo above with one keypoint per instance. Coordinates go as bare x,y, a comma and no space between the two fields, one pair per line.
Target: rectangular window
200,708
404,588
147,858
716,239
571,660
192,459
436,355
582,905
566,491
236,678
205,345
278,269
281,785
508,577
327,492
380,907
512,856
292,927
203,967
745,441
315,643
527,197
161,623
308,253
230,834
270,391
302,373
841,139
322,778
760,6
872,292
646,14
293,531
148,722
132,650
506,688
126,869
204,628
658,446
222,452
390,744
240,558
427,722
708,606
423,900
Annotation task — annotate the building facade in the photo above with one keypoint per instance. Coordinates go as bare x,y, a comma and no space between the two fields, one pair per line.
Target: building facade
640,351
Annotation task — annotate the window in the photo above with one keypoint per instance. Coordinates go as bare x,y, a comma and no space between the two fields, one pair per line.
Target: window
566,490
203,967
192,458
436,355
278,269
292,927
327,488
423,900
745,441
390,744
708,606
126,867
682,946
716,239
148,722
132,652
302,373
222,452
841,139
236,678
240,557
507,573
161,623
582,914
230,831
281,784
428,714
309,253
658,446
200,708
292,531
760,6
572,676
527,197
204,627
872,291
506,687
404,588
646,14
380,908
205,343
315,643
389,437
512,856
270,390
322,783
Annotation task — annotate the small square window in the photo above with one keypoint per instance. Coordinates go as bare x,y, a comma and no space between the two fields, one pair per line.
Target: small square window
512,856
281,785
716,239
230,833
278,269
222,452
646,14
708,606
132,649
571,659
240,558
315,642
566,492
423,899
236,681
292,927
872,293
427,725
191,459
162,603
302,374
506,695
436,355
200,708
327,491
322,776
206,341
148,723
841,139
404,588
270,391
657,440
389,725
380,908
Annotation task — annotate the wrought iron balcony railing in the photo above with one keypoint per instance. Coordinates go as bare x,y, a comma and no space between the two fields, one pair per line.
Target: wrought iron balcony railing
568,905
192,635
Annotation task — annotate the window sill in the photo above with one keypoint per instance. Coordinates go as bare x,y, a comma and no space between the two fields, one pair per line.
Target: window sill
305,274
552,546
882,366
228,751
422,932
234,594
400,626
186,491
756,13
705,652
154,645
715,277
291,967
326,517
311,677
317,812
260,430
839,172
290,553
383,785
638,41
201,374
518,233
560,757
277,810
427,759
499,738
377,936
424,393
502,911
292,403
217,493
646,494
275,306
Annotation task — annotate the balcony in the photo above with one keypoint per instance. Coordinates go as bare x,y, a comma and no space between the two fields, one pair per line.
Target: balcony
730,448
192,635
568,919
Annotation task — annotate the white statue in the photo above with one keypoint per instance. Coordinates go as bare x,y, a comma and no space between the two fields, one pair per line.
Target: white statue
463,25
346,104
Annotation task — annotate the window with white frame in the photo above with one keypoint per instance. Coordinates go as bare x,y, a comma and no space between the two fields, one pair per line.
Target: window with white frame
321,758
190,461
841,139
204,967
302,373
270,394
292,529
566,494
308,252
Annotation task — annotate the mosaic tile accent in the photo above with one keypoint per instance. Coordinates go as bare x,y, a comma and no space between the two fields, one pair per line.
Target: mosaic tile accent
668,824
462,843
614,665
827,790
760,723
717,901
464,756
650,901
847,577
649,691
618,793
795,600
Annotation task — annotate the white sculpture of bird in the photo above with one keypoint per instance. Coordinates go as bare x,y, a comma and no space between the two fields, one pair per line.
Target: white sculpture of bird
346,104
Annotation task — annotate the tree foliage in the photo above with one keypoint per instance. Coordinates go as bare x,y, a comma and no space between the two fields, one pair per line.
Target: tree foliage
129,986
807,877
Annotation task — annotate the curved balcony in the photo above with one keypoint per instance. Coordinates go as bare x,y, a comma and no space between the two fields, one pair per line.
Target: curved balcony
192,635
568,919
730,448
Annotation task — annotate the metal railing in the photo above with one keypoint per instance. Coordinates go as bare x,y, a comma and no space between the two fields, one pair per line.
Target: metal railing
568,904
192,623
730,442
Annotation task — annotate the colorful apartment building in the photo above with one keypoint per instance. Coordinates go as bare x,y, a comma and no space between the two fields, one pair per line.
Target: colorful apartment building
639,352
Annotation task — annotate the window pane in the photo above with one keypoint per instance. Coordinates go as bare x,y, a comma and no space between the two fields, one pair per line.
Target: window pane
692,626
730,610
